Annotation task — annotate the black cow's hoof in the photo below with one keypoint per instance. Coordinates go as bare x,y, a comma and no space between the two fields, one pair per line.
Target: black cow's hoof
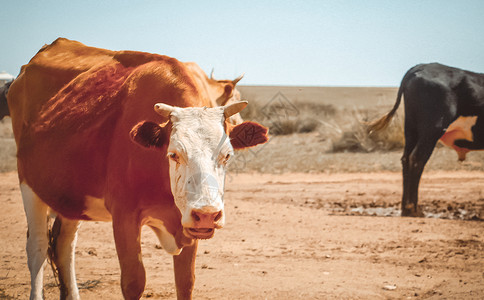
412,213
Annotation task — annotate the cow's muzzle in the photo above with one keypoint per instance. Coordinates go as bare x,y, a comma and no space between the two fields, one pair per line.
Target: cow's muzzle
203,224
199,233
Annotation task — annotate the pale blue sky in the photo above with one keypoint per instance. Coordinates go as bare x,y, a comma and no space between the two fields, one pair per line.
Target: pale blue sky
317,43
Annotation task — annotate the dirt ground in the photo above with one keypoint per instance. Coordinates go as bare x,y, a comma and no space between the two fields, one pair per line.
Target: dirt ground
294,236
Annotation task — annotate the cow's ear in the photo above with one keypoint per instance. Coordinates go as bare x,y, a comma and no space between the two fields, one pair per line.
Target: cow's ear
228,89
148,134
248,134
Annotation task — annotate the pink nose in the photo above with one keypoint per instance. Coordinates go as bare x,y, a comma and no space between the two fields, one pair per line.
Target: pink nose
206,220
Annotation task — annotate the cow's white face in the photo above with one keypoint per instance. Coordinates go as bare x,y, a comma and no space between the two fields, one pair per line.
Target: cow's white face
199,151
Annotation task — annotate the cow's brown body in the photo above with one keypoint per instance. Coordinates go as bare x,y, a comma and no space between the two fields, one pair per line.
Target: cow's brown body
72,109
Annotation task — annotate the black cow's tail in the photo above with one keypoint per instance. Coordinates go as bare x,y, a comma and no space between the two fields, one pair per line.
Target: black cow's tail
383,122
4,111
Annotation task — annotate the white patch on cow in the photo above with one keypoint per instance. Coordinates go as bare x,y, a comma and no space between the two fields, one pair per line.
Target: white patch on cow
464,125
96,210
167,240
460,129
37,243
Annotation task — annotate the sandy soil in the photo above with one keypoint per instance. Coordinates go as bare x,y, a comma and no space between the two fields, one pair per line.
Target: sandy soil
293,236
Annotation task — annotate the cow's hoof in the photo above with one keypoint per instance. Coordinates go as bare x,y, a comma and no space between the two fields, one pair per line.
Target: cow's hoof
412,213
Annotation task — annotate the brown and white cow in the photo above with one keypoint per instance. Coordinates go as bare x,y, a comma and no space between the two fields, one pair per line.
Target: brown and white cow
126,137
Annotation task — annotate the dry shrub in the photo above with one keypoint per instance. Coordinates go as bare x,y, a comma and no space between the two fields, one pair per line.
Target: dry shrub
292,125
283,127
357,139
303,119
307,125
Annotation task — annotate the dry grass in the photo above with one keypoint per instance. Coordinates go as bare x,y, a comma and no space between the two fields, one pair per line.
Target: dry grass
344,127
310,152
336,140
357,138
283,119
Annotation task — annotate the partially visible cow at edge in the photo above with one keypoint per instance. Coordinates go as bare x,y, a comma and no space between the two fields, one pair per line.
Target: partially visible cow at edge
120,136
443,103
3,100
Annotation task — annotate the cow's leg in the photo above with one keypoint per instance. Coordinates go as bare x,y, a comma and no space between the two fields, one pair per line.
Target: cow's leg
184,265
410,143
37,241
413,164
127,236
63,244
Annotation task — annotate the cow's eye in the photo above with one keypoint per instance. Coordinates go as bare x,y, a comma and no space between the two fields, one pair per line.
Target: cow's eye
174,157
226,159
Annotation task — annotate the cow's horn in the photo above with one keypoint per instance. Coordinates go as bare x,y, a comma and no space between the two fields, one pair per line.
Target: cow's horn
211,74
234,108
164,109
237,79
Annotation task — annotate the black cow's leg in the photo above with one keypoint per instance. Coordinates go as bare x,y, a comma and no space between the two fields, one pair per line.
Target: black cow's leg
413,164
410,142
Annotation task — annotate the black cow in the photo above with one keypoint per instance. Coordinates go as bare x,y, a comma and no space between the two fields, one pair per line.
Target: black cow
3,100
435,96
